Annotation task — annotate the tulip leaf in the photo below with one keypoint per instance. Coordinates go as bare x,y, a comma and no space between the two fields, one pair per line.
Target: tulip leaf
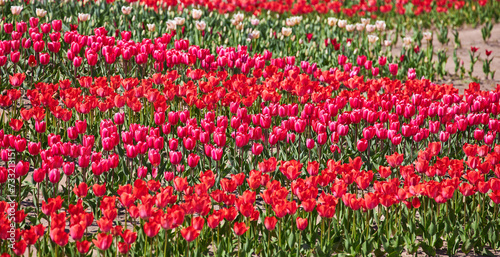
429,250
366,247
467,246
291,240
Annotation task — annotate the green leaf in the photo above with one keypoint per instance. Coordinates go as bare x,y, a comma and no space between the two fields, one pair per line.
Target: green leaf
429,250
467,246
291,240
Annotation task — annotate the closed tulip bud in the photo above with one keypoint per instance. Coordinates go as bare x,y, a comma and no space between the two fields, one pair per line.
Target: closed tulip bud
38,46
175,157
168,175
301,223
362,145
342,59
142,172
77,61
193,160
382,60
310,143
54,176
8,28
489,138
393,69
443,136
57,25
478,134
216,154
68,168
270,223
257,149
39,175
14,57
313,168
159,118
34,148
173,144
154,157
240,228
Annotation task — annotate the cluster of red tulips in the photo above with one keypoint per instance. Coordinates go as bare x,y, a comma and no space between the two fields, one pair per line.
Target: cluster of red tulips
272,148
135,144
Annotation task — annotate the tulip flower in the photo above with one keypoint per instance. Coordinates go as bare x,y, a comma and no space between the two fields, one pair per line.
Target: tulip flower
103,241
240,228
362,145
190,233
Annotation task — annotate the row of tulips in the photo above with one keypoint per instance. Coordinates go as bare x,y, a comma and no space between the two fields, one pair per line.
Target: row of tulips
339,209
46,50
113,147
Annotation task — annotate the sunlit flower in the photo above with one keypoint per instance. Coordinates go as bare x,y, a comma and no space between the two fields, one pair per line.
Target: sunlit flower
239,17
196,14
387,43
342,23
151,27
255,22
83,17
40,13
126,10
370,28
427,35
380,25
16,10
286,31
200,25
254,34
372,39
179,21
332,21
171,24
350,27
407,42
360,26
365,21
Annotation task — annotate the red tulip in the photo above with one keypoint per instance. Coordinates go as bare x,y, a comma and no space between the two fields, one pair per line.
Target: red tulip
313,168
175,157
83,247
40,126
180,184
151,228
193,160
270,223
362,145
129,236
291,169
154,157
59,236
16,124
301,223
216,154
189,233
54,176
44,58
99,190
103,241
240,228
76,231
81,190
197,223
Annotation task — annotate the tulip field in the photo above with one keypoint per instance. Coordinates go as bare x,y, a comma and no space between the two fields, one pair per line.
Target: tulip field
249,128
